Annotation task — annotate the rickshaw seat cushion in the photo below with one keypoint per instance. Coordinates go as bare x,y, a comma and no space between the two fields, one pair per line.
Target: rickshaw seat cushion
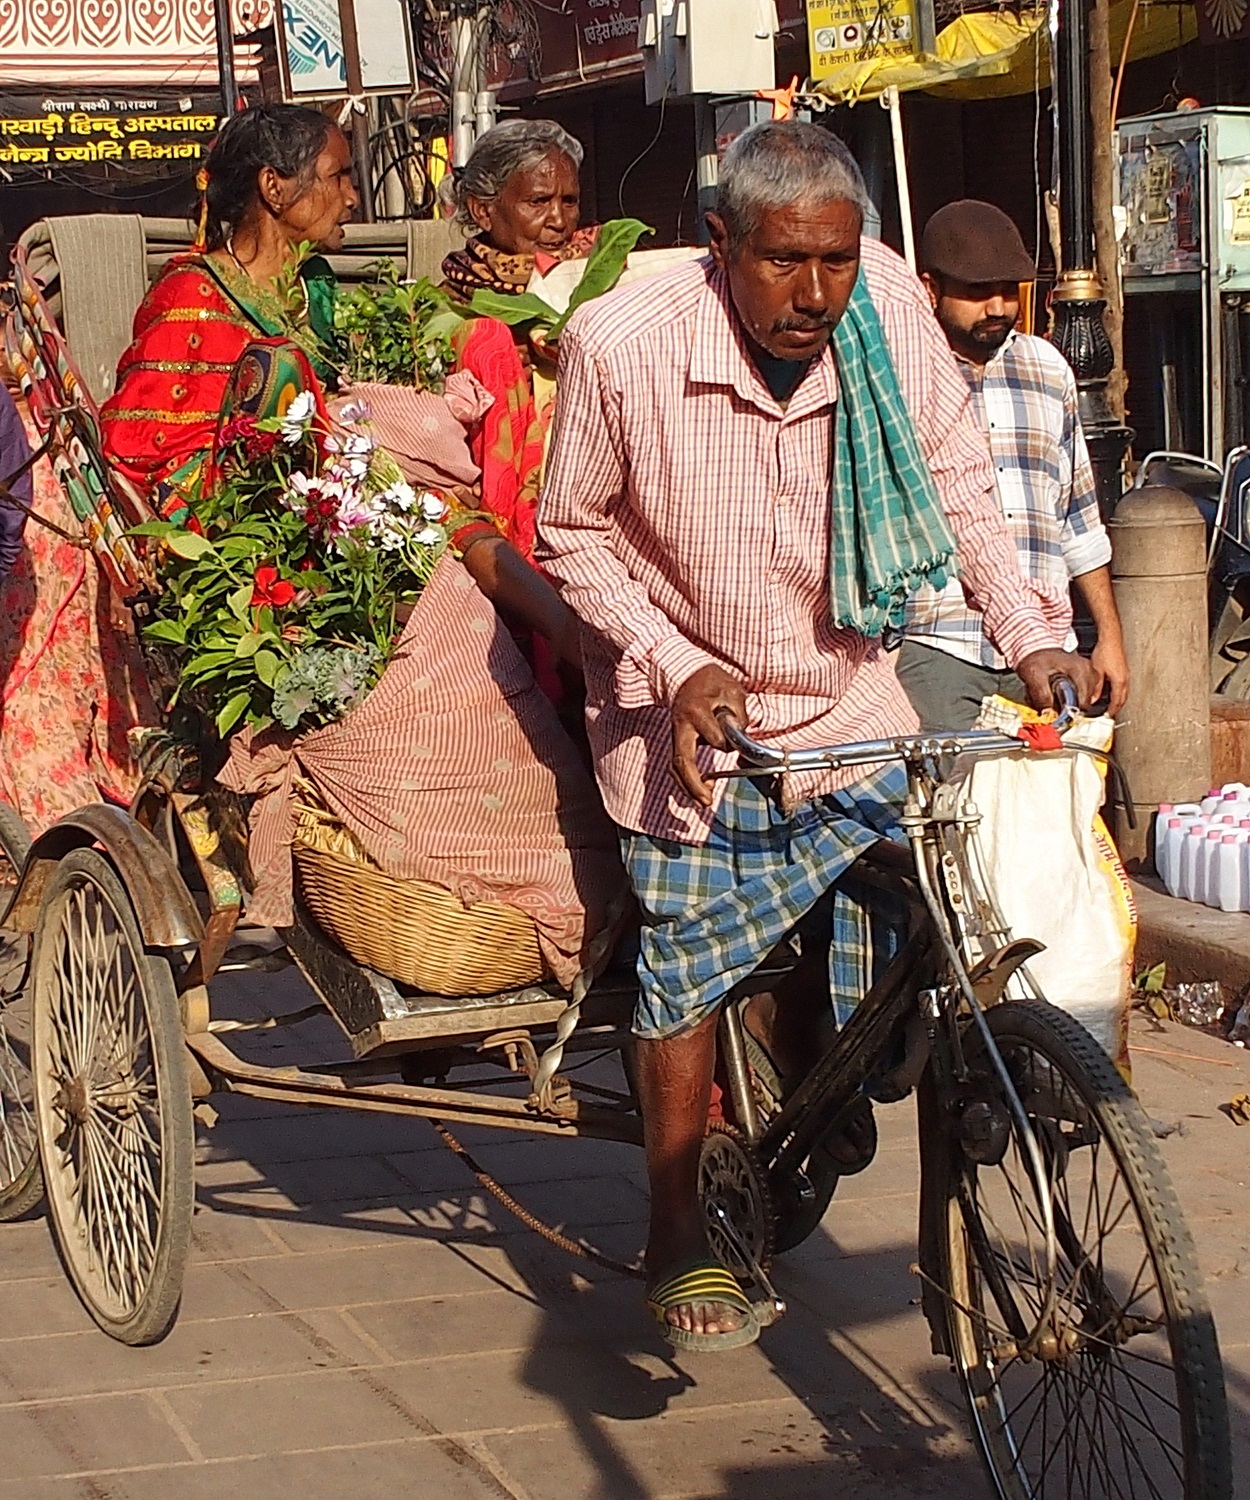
102,260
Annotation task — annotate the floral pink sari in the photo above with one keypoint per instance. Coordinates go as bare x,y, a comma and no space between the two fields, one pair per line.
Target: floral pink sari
71,683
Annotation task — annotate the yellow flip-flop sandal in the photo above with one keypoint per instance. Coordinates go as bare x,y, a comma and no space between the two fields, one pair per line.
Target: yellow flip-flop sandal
702,1281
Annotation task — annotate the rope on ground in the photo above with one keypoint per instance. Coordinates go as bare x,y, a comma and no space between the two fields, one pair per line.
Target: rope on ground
552,1236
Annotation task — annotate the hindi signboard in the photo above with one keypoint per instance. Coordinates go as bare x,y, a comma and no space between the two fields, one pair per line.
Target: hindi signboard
71,131
310,51
584,39
846,31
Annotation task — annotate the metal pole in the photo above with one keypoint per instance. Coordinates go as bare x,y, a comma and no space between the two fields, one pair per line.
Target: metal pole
360,120
890,100
1076,198
464,87
1078,301
707,163
224,22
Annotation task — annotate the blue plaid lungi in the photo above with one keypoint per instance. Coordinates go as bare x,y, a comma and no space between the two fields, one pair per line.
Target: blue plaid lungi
712,912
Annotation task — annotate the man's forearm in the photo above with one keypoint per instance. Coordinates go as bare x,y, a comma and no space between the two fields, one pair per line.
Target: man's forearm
655,658
1099,596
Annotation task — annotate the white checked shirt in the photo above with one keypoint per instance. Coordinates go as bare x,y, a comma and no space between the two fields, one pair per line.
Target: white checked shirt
1025,402
685,516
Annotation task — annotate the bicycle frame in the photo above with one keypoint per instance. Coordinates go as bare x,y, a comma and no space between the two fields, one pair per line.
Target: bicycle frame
956,961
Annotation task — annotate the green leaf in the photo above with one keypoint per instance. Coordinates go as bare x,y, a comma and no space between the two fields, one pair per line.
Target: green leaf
189,544
151,528
266,665
174,631
1151,981
235,548
232,712
513,311
207,662
240,601
249,644
616,241
443,324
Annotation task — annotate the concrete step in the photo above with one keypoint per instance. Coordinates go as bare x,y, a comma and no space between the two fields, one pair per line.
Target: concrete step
1196,942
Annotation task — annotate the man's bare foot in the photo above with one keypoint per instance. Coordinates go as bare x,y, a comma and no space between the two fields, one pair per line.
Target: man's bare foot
701,1305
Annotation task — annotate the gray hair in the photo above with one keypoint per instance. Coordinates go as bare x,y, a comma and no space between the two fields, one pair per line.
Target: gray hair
504,149
779,163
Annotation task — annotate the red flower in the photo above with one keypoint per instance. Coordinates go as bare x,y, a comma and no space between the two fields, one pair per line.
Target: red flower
269,589
241,432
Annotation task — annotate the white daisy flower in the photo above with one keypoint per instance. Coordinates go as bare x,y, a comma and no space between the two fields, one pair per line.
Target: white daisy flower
355,410
433,507
400,495
298,416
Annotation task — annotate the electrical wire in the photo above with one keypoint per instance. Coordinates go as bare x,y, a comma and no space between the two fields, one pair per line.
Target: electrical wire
1119,72
1037,162
645,152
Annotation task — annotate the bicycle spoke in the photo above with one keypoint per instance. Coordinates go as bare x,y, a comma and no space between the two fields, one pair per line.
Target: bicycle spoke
1088,1407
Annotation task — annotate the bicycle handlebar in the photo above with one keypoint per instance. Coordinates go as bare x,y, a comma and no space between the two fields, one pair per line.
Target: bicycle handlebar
900,747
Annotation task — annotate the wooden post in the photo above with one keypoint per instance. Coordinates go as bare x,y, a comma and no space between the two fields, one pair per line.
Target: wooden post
1102,175
359,120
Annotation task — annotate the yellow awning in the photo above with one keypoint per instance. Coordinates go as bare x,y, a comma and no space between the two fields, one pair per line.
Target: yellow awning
988,55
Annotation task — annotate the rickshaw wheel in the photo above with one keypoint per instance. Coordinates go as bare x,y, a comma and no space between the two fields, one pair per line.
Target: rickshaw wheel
21,1186
732,1186
113,1103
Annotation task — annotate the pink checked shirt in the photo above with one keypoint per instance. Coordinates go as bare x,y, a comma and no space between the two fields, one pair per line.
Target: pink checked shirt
685,516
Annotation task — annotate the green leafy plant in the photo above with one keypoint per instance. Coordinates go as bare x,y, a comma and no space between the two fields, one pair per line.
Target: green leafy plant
617,239
395,332
281,592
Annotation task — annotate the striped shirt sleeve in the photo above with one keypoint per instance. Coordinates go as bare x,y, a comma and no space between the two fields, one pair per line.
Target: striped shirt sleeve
585,478
1083,537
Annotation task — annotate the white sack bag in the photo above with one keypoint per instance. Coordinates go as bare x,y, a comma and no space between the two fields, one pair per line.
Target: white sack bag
1056,877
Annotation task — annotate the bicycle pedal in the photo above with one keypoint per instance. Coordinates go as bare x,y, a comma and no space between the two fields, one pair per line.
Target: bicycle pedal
770,1311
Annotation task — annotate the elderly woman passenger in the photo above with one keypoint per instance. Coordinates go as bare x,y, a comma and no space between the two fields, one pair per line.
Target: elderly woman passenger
279,177
519,192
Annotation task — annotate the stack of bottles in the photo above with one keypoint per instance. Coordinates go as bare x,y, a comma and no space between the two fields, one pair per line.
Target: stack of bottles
1202,849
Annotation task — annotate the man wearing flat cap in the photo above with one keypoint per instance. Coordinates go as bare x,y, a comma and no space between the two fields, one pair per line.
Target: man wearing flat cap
1024,396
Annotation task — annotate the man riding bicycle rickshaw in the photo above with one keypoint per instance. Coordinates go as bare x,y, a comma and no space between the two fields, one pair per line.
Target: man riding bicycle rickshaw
756,461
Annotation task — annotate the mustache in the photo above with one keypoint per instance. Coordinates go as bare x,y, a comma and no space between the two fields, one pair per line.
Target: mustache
803,325
993,325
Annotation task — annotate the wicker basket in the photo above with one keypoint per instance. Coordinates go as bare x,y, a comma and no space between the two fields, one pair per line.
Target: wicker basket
412,931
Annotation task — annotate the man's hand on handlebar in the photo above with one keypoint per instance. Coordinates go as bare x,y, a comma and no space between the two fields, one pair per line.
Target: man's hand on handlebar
1039,669
694,719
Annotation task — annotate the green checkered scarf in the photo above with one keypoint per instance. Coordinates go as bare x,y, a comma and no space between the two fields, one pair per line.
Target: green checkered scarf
888,535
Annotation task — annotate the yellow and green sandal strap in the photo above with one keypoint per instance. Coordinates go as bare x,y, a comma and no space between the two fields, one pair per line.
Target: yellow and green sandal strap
705,1281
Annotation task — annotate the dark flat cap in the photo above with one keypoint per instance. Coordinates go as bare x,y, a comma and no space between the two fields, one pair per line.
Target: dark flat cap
975,242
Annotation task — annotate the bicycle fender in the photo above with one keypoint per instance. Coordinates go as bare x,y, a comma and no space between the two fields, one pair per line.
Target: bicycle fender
167,915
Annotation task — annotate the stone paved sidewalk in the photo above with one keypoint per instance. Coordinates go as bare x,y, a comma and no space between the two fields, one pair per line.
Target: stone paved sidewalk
360,1320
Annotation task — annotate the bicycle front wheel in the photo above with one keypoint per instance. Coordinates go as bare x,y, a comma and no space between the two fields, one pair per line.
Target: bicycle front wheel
1087,1354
